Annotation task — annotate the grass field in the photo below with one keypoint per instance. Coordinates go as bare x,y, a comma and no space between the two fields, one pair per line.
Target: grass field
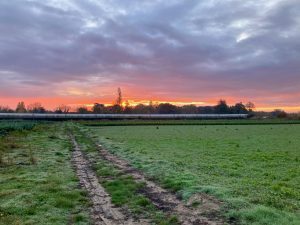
254,168
37,183
124,191
189,122
7,126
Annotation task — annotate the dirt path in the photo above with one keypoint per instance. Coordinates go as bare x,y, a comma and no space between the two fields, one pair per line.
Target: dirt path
102,211
206,213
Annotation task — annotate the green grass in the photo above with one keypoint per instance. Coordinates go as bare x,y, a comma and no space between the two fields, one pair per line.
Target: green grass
7,126
37,182
254,168
188,122
123,189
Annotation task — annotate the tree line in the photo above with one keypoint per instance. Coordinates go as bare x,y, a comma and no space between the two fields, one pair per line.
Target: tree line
124,107
163,108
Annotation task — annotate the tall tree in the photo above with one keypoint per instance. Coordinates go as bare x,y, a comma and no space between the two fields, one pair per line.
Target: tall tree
21,108
119,100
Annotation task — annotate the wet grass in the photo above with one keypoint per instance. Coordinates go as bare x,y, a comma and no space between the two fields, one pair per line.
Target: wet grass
37,182
254,168
124,190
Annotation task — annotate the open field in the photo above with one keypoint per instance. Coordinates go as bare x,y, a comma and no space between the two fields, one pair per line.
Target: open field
100,123
254,169
37,182
215,172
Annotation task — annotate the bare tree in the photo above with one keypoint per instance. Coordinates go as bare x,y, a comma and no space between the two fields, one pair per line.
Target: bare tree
36,108
63,109
250,106
5,109
119,100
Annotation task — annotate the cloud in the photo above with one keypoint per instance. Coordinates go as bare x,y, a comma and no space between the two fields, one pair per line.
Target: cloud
186,49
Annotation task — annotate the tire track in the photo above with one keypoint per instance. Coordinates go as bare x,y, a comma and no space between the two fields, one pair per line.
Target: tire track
207,213
102,211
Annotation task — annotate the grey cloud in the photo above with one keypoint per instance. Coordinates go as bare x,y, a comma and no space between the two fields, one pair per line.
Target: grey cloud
233,42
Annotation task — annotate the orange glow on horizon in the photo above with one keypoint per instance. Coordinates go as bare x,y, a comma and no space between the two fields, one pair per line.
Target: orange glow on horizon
291,109
76,95
51,103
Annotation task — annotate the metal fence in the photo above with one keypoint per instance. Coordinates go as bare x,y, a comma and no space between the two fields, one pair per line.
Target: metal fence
70,116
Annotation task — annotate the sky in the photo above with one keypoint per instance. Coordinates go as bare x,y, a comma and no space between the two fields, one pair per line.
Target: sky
80,51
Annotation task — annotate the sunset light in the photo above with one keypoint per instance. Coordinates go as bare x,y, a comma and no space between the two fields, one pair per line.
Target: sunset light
80,52
149,112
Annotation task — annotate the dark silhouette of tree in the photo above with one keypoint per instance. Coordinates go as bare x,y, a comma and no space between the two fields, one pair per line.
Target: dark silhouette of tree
278,113
98,108
115,109
36,108
82,110
250,106
189,109
166,108
163,108
21,108
222,107
5,109
141,109
238,108
62,109
119,100
206,109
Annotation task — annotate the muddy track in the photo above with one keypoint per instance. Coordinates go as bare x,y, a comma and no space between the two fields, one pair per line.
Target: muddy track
102,211
206,213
